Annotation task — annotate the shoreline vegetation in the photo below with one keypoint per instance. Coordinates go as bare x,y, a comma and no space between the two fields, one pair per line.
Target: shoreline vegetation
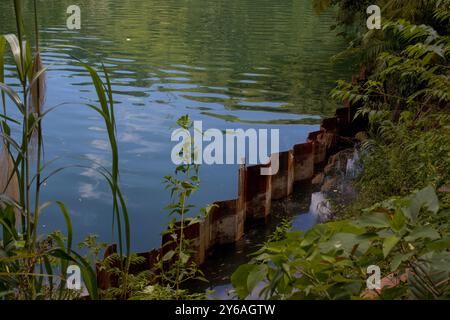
399,221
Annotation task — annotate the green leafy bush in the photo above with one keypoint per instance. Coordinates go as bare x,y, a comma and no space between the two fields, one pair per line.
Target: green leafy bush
403,157
407,235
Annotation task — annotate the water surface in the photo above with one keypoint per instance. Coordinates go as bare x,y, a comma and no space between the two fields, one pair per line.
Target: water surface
230,63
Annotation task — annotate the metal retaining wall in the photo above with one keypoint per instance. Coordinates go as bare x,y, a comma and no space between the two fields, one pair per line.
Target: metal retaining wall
225,222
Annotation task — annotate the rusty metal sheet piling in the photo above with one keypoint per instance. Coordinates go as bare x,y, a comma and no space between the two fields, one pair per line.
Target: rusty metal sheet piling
303,162
241,205
319,149
258,195
225,224
283,180
329,124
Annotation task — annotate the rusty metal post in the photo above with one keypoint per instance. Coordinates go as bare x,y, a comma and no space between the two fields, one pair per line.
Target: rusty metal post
319,149
303,162
258,192
224,222
283,180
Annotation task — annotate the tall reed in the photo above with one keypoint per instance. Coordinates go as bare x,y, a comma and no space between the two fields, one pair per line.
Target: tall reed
120,211
31,266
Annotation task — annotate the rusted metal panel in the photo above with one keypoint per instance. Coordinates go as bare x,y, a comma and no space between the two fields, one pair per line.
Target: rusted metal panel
319,149
283,180
241,206
206,237
258,192
224,222
329,124
303,161
312,136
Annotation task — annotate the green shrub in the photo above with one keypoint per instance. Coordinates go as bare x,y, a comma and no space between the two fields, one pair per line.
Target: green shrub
407,235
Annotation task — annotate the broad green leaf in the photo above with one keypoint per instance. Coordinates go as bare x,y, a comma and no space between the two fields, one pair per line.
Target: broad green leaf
239,279
168,255
438,261
423,232
340,241
388,244
428,198
439,244
374,219
423,198
399,258
398,221
257,275
385,233
184,257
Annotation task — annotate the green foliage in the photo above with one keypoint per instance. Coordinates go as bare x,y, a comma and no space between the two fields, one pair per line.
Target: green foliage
281,230
401,157
128,285
406,236
177,266
158,292
367,44
94,248
416,76
431,12
406,99
31,266
120,211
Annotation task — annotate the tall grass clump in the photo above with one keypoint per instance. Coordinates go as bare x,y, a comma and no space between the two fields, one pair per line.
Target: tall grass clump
33,266
400,219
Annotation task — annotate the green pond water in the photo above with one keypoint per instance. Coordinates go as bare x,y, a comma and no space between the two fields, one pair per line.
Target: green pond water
230,63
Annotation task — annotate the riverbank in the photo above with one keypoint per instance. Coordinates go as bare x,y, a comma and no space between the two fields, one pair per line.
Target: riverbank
399,221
